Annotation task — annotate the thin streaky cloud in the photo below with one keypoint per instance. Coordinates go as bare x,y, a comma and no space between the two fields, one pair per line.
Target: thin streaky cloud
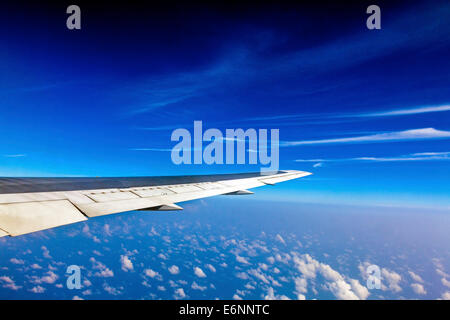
165,149
431,154
388,113
403,158
14,155
175,89
413,134
320,118
151,149
426,156
418,110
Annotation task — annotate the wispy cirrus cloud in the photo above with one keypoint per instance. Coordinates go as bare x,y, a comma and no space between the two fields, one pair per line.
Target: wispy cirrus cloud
316,118
424,156
401,112
20,155
152,149
413,134
244,65
311,118
177,88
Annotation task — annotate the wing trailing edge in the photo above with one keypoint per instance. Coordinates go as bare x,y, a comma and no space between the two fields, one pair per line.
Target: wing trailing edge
33,204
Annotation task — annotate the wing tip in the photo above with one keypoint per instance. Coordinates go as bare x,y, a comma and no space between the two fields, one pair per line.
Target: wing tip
300,172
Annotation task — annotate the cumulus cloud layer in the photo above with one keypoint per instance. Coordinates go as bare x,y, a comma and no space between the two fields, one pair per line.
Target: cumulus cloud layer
339,285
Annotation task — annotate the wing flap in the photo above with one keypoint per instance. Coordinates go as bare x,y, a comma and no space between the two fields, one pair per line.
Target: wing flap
112,196
20,218
105,208
164,207
3,233
151,192
281,178
239,192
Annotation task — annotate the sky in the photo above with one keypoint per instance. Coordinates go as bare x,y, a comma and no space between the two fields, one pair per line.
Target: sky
366,111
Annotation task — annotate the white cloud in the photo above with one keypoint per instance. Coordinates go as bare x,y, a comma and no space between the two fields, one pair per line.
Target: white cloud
431,154
415,277
271,295
392,278
50,277
306,266
87,292
152,274
18,155
37,289
441,272
236,297
425,156
242,275
162,256
46,252
111,290
179,294
446,295
342,290
418,288
318,165
87,283
413,134
300,285
16,261
9,283
211,267
126,263
174,270
249,286
417,110
242,259
336,283
153,232
259,275
388,113
389,279
280,239
103,272
199,272
195,286
263,266
107,229
445,282
361,291
284,258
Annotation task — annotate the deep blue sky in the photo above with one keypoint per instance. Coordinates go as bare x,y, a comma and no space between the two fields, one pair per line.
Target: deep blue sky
79,102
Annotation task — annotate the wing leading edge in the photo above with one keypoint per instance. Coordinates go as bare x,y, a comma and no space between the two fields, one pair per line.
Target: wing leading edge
33,204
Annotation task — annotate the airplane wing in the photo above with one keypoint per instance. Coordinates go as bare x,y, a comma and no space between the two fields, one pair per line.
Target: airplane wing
33,204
